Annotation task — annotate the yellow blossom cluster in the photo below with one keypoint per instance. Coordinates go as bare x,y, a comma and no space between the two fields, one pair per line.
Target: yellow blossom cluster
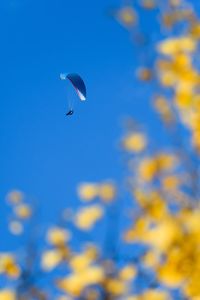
8,266
58,238
176,70
173,241
151,167
84,272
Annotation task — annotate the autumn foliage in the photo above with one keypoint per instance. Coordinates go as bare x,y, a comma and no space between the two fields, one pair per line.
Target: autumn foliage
138,239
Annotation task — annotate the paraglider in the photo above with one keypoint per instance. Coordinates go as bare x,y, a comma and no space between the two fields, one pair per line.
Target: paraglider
78,85
70,112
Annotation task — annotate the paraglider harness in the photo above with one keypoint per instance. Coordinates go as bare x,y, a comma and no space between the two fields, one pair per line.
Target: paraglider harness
70,113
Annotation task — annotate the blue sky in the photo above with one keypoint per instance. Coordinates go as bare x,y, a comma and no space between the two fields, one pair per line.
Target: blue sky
43,153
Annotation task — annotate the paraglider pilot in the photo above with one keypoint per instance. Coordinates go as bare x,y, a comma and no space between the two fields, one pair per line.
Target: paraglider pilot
70,112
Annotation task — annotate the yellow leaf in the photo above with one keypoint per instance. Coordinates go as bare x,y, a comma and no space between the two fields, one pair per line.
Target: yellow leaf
138,230
88,216
166,162
127,16
7,294
23,211
116,287
151,259
170,276
147,169
195,30
163,108
144,74
91,252
183,98
80,262
72,285
163,234
192,287
8,266
191,220
171,182
51,259
58,236
173,46
152,203
15,196
135,142
75,283
155,295
107,192
128,273
16,227
88,191
148,4
93,275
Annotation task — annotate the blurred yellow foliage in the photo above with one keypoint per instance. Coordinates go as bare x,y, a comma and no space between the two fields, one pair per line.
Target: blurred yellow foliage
159,235
151,259
163,184
174,46
58,236
150,167
126,16
166,162
8,266
75,283
64,297
23,211
15,196
128,273
16,227
154,295
153,204
135,142
148,4
171,182
72,285
195,30
88,191
51,259
145,73
175,3
170,19
7,294
164,109
80,262
86,218
107,192
116,287
147,169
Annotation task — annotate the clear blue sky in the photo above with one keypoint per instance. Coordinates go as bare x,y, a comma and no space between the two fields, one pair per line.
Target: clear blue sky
44,153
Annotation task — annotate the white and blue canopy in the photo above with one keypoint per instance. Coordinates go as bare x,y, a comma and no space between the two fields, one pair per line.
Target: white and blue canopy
77,83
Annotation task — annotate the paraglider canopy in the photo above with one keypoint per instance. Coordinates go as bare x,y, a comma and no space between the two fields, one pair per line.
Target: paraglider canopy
77,83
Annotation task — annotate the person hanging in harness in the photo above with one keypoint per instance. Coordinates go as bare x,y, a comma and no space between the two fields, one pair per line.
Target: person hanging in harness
70,112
